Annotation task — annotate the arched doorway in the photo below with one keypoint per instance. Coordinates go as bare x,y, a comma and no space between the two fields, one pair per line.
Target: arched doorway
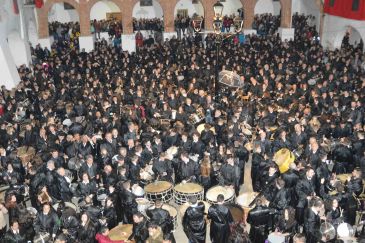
267,17
268,7
184,11
352,37
147,16
106,20
64,24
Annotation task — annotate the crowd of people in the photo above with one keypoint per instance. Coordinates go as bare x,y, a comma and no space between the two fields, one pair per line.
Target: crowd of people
113,27
267,24
153,24
65,34
81,125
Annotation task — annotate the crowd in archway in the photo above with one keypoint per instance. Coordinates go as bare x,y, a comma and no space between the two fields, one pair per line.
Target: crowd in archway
149,24
95,128
266,24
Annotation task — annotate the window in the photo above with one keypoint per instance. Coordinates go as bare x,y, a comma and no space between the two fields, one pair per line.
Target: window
355,5
332,3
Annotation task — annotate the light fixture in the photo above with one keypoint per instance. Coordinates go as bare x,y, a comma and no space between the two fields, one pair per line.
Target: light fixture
197,23
218,10
217,25
238,24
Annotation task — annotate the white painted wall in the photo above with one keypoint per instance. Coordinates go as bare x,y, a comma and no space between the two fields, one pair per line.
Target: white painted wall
335,29
9,22
264,6
231,7
150,12
101,8
58,13
307,7
192,8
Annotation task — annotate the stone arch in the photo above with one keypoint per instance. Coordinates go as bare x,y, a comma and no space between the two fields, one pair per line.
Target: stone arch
267,6
43,15
355,36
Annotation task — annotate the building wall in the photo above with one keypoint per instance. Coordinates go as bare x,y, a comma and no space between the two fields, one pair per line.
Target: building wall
307,7
60,14
148,12
100,9
334,33
231,7
264,6
192,8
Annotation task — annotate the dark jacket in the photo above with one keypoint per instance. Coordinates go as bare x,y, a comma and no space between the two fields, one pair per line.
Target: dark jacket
221,219
194,223
312,223
47,223
259,219
10,237
86,234
140,232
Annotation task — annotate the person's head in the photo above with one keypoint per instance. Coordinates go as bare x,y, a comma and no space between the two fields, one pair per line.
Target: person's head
280,183
193,200
14,225
356,173
61,239
89,159
104,231
84,218
167,238
46,208
335,203
138,217
85,177
299,238
158,203
220,198
310,173
317,204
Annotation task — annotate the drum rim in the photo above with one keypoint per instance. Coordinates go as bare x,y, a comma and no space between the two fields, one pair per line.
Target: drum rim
159,182
196,185
225,199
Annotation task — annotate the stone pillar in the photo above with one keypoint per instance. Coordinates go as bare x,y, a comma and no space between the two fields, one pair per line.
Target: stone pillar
249,13
208,14
127,16
286,31
23,42
42,23
168,8
286,14
84,16
129,42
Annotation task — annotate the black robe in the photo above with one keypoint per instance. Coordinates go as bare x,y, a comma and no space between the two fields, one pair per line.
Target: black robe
221,218
194,223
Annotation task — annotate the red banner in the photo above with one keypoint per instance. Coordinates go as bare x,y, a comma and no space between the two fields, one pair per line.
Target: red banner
15,6
38,3
350,9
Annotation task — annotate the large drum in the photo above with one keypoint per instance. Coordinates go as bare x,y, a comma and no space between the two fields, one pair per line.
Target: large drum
213,192
343,177
159,190
143,204
121,232
183,191
244,201
172,211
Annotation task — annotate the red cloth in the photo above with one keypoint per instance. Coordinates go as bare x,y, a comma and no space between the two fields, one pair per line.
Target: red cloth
139,39
105,239
343,8
39,3
15,7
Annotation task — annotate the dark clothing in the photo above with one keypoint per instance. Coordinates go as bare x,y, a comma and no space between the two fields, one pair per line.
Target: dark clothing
140,232
11,237
162,218
47,223
86,234
259,218
221,219
312,223
194,223
188,171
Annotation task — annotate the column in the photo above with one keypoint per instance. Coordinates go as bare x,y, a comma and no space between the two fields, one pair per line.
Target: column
168,8
86,39
128,37
286,31
249,14
43,33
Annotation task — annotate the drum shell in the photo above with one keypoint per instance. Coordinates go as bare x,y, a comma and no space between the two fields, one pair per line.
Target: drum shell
183,196
212,193
155,191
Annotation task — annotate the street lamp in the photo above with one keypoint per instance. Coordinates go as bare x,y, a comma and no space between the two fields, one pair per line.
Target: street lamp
219,36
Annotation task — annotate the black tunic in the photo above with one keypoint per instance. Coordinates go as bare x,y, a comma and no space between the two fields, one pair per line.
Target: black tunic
221,219
194,223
